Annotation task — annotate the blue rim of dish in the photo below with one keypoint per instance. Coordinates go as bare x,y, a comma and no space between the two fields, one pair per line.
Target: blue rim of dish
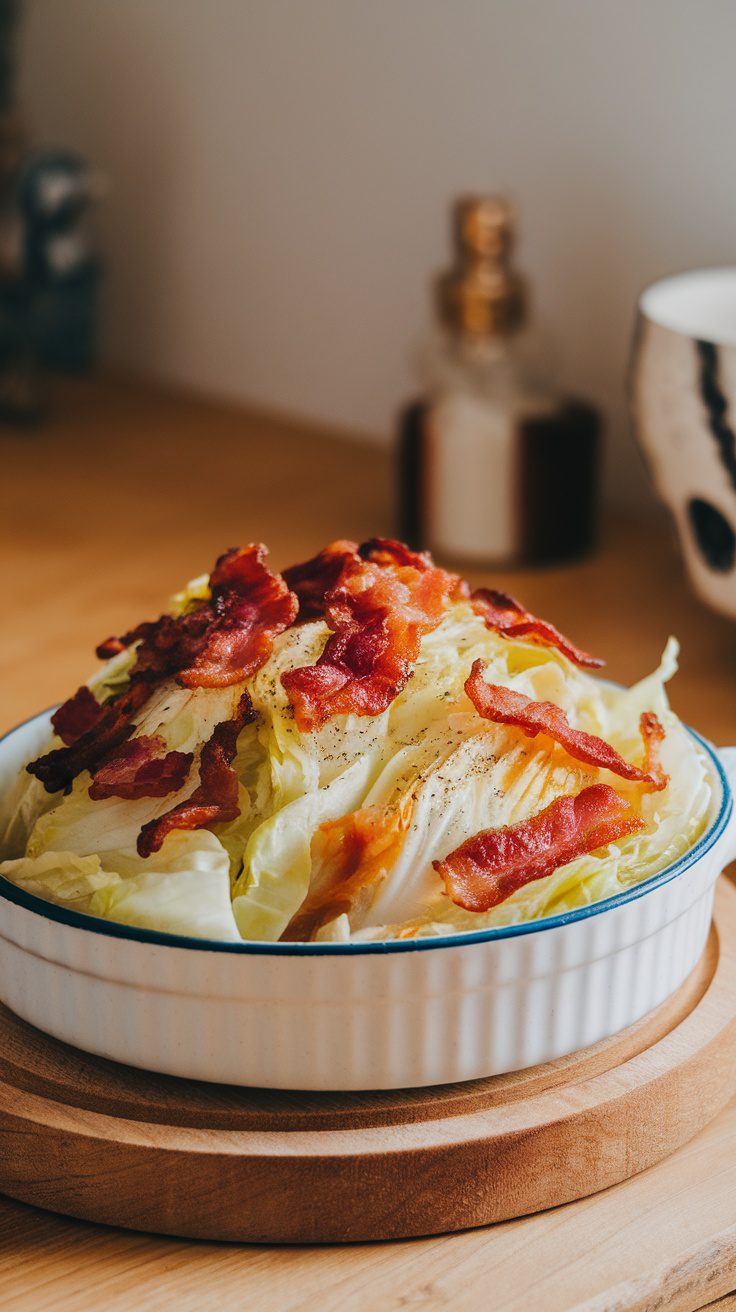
113,929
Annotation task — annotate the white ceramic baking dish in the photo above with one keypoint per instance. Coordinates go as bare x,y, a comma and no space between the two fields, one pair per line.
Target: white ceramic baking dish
358,1016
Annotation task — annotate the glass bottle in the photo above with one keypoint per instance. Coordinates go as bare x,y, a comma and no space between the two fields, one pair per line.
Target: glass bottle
496,466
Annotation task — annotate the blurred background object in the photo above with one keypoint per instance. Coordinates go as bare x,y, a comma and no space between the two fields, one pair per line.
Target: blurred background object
282,173
496,465
683,394
49,272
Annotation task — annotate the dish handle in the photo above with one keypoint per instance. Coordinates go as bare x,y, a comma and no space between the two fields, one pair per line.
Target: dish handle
727,756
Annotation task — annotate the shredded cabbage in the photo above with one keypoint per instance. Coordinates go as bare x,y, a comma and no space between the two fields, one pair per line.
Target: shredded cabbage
429,757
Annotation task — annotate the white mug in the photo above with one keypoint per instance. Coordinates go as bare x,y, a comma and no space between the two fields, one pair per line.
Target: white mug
683,403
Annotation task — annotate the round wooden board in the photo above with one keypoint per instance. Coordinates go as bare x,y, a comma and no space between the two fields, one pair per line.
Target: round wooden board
92,1139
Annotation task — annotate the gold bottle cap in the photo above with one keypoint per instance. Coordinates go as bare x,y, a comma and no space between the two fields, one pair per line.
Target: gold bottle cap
482,296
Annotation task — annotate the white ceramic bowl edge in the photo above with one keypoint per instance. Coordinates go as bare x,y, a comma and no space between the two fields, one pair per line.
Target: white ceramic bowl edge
366,1016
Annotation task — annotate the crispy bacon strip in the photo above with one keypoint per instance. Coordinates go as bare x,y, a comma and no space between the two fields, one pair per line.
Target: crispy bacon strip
221,642
509,618
352,856
506,706
653,735
81,714
141,767
224,640
113,646
378,612
313,579
215,799
251,607
391,553
166,645
486,869
58,768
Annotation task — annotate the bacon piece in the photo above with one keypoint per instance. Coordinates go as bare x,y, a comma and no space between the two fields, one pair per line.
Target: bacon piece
509,618
488,868
224,640
215,799
313,579
390,552
221,642
378,615
506,706
58,768
653,735
141,767
79,715
113,646
162,644
251,607
352,855
166,644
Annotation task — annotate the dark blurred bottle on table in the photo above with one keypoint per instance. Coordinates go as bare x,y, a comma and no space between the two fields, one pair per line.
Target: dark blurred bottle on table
50,270
495,465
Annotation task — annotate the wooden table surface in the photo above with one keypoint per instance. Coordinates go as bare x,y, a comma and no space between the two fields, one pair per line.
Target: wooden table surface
123,494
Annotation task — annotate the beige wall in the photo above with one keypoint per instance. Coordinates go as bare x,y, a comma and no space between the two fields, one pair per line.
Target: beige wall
280,171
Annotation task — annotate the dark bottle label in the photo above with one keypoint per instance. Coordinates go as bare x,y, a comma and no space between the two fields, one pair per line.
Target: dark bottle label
558,458
551,486
412,475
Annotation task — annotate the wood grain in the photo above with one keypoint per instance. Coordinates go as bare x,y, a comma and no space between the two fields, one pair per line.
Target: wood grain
105,510
672,1225
77,1134
129,491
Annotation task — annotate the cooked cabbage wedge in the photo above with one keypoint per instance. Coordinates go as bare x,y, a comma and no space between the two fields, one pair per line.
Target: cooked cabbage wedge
415,781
